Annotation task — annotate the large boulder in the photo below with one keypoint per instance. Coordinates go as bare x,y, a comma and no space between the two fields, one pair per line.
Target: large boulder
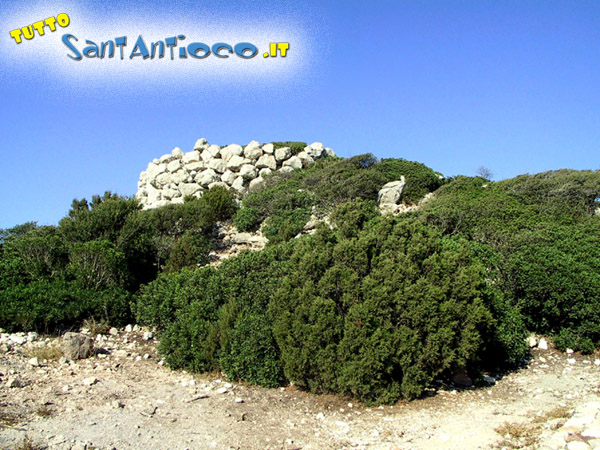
391,192
77,346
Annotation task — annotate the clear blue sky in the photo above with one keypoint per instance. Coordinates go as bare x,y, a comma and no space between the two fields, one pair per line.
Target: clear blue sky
512,86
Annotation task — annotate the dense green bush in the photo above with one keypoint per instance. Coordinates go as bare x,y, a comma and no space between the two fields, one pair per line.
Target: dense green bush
420,179
384,313
219,203
544,237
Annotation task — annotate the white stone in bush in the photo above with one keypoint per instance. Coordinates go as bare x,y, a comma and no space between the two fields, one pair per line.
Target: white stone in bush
206,177
228,177
238,184
267,161
248,172
283,153
264,172
294,162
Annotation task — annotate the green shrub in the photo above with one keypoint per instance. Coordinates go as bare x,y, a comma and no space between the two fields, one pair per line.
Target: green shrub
420,179
247,218
391,309
157,303
191,250
248,349
191,341
220,203
349,218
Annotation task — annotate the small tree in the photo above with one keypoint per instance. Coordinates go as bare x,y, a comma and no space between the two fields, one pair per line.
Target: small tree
484,173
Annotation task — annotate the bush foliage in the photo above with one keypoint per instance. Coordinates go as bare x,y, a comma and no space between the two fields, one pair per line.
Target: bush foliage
373,307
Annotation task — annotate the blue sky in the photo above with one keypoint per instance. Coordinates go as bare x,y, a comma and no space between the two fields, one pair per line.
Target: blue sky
512,86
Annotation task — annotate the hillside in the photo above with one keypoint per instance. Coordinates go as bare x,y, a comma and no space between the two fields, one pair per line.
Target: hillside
377,277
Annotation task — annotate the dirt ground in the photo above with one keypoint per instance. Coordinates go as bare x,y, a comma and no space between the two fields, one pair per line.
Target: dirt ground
124,398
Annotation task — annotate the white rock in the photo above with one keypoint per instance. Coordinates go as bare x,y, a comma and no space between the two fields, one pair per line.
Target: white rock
315,150
253,150
231,150
176,152
90,381
305,158
235,162
222,390
18,339
228,177
578,445
267,161
214,150
569,351
113,331
391,192
206,156
571,360
532,341
329,152
189,189
238,184
206,177
543,344
255,183
239,400
165,158
195,165
218,183
268,148
34,362
286,169
14,382
200,143
218,165
129,328
264,172
294,162
283,153
191,156
179,177
147,335
248,172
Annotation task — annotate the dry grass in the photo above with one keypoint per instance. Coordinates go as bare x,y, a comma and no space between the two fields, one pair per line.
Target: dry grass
28,444
48,353
7,419
44,411
518,435
96,327
560,412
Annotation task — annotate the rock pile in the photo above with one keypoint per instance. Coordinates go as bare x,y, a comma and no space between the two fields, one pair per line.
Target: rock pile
173,176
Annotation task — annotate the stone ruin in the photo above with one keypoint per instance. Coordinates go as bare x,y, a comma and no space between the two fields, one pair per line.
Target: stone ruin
173,176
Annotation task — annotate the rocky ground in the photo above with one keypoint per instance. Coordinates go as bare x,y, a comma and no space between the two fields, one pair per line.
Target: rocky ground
124,398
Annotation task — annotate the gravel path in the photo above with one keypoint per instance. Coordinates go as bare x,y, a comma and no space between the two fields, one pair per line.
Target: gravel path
123,398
